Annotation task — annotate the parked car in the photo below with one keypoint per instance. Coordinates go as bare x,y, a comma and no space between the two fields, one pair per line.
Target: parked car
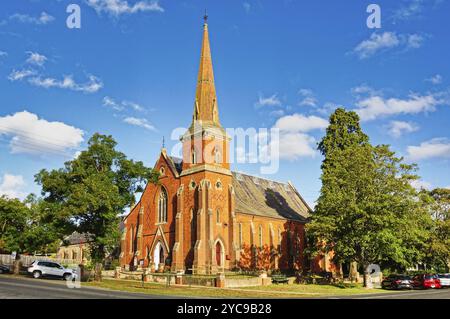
397,282
40,269
444,279
4,269
426,281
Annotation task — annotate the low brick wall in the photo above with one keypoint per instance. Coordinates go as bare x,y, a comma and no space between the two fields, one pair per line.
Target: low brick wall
243,282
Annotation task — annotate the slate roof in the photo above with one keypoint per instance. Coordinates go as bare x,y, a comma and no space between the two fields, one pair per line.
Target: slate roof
263,197
76,238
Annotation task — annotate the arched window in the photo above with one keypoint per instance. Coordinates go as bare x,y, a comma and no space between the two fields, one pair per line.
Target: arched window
162,206
240,235
218,215
193,156
131,239
260,236
217,156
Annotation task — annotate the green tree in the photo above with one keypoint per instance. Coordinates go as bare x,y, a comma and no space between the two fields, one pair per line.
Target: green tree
92,190
13,224
366,211
438,255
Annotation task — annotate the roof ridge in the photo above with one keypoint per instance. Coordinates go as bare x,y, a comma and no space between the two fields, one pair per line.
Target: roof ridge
264,178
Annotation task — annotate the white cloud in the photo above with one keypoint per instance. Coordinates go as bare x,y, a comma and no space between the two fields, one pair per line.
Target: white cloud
294,145
276,113
21,74
435,79
120,106
268,101
379,42
12,186
93,84
36,58
308,98
434,148
43,19
139,122
3,54
300,123
373,107
293,141
409,10
398,128
32,135
119,7
419,185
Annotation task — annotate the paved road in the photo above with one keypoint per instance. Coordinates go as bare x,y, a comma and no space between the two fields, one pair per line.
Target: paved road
28,288
18,287
406,294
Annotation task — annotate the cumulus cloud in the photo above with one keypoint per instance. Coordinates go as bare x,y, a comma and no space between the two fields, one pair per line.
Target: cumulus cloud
434,148
294,142
141,122
43,19
30,134
12,186
3,54
380,42
272,100
372,107
120,7
398,128
300,123
308,98
435,79
36,58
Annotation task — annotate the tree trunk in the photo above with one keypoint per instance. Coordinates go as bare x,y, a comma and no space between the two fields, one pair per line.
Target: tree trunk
98,272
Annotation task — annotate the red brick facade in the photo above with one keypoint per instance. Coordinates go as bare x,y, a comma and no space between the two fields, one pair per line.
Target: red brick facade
190,221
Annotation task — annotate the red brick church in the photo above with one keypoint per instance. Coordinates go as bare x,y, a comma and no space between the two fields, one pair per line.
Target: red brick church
204,218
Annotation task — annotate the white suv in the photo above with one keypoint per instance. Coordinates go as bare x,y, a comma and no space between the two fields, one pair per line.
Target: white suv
40,269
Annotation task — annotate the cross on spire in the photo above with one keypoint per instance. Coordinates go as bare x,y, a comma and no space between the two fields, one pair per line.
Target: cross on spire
205,17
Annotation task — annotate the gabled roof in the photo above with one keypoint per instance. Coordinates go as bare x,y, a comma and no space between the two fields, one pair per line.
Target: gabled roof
263,197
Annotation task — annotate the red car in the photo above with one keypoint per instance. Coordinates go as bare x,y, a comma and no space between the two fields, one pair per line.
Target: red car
426,281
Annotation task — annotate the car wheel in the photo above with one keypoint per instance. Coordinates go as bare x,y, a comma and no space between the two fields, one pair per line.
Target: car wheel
37,274
1,271
67,277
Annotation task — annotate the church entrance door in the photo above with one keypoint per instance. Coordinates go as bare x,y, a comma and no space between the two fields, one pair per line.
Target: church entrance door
158,254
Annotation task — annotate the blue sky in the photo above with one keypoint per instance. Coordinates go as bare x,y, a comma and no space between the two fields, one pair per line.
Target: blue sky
130,71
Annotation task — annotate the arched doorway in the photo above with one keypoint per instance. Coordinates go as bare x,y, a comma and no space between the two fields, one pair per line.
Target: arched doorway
158,254
219,254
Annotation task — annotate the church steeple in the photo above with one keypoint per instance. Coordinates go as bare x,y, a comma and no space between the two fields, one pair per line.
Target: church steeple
205,105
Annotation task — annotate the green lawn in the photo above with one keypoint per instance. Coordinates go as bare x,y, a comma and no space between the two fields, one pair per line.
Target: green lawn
272,291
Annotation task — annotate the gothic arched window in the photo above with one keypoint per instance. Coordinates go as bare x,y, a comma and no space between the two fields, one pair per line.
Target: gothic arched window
193,156
217,156
260,236
162,206
218,215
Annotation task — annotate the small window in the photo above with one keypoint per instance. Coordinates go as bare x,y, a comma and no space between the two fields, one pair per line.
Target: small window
218,220
162,171
240,235
219,185
193,156
217,156
260,236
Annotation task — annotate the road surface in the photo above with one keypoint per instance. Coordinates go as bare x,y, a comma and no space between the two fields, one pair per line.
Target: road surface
20,288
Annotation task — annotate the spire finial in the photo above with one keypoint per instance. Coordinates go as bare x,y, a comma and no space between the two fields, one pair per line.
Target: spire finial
205,17
163,143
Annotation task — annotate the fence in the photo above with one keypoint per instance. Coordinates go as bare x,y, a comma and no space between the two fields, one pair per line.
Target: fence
27,260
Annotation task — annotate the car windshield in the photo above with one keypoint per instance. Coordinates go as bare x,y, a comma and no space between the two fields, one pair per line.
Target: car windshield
430,276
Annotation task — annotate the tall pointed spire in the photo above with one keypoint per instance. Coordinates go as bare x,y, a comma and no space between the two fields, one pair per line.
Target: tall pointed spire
205,106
